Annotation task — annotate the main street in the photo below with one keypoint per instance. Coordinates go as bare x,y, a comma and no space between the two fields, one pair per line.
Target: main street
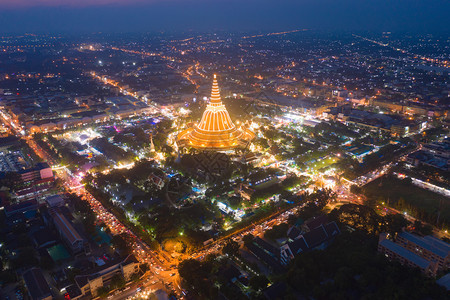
160,269
163,268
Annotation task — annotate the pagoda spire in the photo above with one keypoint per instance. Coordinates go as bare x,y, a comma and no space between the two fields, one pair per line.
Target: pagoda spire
152,146
215,93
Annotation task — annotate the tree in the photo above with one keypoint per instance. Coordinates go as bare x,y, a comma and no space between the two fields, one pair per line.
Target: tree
354,189
144,267
80,206
11,180
26,258
234,202
423,229
258,282
195,275
103,291
8,276
46,262
427,229
120,243
89,223
277,231
135,277
358,217
117,281
394,223
248,239
231,248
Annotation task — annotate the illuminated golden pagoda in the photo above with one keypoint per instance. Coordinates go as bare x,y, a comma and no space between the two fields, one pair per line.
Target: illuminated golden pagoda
215,131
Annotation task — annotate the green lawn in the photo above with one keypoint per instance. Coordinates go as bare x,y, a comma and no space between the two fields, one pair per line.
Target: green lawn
323,163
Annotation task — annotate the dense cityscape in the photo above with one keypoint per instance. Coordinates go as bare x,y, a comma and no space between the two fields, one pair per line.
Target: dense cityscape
295,164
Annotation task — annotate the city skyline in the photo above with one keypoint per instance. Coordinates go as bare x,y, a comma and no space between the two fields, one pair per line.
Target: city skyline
241,150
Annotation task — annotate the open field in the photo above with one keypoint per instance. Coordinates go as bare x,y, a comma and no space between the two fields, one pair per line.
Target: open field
403,195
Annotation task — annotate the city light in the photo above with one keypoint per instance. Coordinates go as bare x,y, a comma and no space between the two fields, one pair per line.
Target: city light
138,178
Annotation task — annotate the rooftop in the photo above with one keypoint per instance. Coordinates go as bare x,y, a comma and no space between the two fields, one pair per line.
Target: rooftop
66,227
416,259
36,284
98,271
429,243
444,281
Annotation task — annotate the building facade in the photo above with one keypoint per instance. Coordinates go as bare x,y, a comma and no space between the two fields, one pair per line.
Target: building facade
90,282
428,253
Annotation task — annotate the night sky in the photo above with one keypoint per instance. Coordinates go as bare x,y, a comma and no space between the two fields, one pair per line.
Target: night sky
42,16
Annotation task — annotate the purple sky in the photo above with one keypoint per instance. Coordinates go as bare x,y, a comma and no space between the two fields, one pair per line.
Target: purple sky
71,3
17,16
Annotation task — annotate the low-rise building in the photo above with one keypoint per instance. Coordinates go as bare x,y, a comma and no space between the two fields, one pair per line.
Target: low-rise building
394,251
36,181
54,201
316,238
67,232
441,149
428,247
39,172
36,284
101,276
156,180
444,281
21,208
426,158
266,253
245,191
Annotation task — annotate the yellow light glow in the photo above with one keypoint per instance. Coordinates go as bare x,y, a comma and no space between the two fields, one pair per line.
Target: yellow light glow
215,129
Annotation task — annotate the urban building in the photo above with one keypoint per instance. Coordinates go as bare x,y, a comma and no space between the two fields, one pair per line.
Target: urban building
21,208
35,182
101,276
441,149
395,251
157,181
67,232
428,247
266,253
54,201
436,154
316,238
37,286
444,281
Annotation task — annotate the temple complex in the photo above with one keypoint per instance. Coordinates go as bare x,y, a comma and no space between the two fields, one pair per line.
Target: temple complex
215,131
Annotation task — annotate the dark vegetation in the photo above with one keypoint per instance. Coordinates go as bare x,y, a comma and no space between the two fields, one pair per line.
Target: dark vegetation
403,195
350,268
